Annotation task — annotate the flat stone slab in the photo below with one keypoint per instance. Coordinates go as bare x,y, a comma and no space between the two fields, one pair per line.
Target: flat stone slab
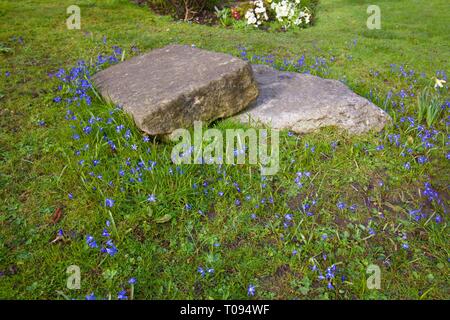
171,87
304,103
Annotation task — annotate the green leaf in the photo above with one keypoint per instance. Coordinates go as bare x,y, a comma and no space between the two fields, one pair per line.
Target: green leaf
165,218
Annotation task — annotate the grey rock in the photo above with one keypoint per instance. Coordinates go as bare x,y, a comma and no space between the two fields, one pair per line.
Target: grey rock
171,87
304,103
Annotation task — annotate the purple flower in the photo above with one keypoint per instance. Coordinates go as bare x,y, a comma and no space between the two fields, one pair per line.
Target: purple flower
151,198
105,233
201,271
91,297
251,290
341,205
422,159
109,202
122,295
91,242
132,281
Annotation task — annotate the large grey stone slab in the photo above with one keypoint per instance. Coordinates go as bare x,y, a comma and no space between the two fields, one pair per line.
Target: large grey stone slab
171,87
304,103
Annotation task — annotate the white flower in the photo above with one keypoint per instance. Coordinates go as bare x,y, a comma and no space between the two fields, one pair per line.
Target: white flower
260,10
439,83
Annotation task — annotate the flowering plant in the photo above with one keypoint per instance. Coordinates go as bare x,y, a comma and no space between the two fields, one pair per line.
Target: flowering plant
288,12
291,12
257,14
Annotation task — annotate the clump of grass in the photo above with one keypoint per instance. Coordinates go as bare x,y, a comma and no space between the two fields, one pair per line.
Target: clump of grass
428,107
5,49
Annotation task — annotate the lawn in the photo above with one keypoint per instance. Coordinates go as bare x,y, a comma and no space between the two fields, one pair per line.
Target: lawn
339,203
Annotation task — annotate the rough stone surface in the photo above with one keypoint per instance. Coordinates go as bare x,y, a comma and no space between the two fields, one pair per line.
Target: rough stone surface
171,87
304,103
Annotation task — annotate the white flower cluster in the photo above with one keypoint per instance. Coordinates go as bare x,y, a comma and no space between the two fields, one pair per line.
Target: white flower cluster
290,11
258,14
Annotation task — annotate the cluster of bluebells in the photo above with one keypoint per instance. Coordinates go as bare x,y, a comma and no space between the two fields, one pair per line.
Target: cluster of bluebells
329,275
308,206
107,243
300,177
75,91
316,65
204,271
433,196
121,295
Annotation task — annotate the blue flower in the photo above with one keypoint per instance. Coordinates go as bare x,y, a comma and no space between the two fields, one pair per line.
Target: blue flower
151,198
201,271
122,295
251,290
132,281
91,297
105,233
109,202
341,205
91,242
422,159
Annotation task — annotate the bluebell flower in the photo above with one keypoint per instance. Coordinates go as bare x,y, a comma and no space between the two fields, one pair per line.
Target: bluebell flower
91,241
109,202
201,271
122,295
151,198
132,281
91,297
251,290
105,233
422,159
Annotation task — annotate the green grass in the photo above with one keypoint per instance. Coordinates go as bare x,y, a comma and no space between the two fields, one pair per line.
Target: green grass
39,167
